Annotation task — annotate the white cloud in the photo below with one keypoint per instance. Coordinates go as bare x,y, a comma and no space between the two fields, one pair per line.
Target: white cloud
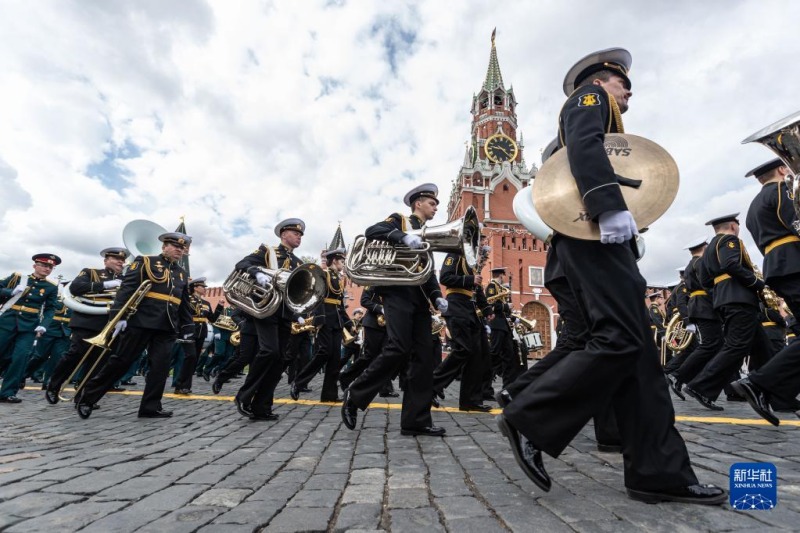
239,114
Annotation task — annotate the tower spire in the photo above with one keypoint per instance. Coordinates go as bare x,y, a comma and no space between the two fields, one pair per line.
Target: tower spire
494,78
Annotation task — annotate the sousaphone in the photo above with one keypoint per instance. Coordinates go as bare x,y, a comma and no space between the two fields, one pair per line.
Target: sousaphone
649,180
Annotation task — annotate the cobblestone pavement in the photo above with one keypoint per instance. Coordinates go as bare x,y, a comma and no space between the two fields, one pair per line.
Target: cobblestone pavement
208,469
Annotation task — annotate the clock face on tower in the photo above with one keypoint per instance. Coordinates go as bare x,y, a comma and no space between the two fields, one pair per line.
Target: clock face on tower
500,147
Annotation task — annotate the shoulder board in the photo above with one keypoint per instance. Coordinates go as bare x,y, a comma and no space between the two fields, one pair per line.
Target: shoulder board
51,281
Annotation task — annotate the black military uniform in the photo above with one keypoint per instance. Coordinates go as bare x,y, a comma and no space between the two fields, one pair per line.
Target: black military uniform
466,357
374,339
408,330
164,313
701,313
504,356
657,318
201,312
255,397
248,346
726,268
30,315
330,318
679,304
95,281
619,365
771,220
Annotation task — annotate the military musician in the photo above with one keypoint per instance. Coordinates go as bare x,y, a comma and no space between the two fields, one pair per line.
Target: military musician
163,315
201,311
504,356
99,284
408,327
27,311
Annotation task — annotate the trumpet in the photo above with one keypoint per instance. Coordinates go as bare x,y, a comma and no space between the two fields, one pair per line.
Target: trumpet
105,338
502,294
524,325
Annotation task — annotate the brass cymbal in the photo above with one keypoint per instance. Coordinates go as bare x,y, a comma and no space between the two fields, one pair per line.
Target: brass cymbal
558,202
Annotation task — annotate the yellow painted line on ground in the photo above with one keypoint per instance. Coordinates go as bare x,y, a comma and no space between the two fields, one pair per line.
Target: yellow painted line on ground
387,405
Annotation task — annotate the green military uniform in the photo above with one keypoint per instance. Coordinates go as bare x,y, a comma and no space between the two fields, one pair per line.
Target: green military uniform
18,324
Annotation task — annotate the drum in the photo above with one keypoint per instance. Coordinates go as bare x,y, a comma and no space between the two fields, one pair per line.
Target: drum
533,341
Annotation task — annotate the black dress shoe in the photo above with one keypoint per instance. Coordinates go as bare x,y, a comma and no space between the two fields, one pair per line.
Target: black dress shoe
392,394
155,414
480,407
756,398
216,386
503,398
51,396
702,494
349,411
84,410
332,400
735,398
705,402
488,397
183,392
528,457
10,399
430,431
435,402
206,375
675,385
294,392
243,409
609,448
265,416
129,383
440,394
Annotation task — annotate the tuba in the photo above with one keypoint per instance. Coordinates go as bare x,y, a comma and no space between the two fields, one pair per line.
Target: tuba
677,338
89,304
300,289
783,138
381,263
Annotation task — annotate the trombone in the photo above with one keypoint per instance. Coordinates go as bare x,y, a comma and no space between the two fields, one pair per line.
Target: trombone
104,339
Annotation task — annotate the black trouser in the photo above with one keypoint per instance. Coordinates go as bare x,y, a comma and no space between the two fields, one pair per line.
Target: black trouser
618,365
502,347
741,325
408,340
574,336
465,359
327,353
258,389
780,377
191,353
776,336
488,368
676,361
297,355
72,357
710,333
248,346
374,339
128,348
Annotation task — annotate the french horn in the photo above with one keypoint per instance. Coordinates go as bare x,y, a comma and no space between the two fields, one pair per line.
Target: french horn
381,263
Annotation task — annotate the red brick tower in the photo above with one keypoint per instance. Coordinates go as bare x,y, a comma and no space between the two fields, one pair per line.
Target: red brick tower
493,170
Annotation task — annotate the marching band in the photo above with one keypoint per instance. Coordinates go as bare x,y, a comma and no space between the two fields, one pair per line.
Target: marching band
289,316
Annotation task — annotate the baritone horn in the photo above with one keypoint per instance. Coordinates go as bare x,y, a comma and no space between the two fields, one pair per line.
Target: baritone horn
783,138
105,338
381,263
300,289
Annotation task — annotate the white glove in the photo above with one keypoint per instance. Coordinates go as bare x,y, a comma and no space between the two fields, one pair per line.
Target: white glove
120,327
112,284
488,330
617,227
40,330
217,336
301,320
16,290
263,279
691,328
516,321
413,241
441,304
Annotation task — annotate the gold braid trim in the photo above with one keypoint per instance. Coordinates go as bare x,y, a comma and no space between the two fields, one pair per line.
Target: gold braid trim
616,113
150,275
331,290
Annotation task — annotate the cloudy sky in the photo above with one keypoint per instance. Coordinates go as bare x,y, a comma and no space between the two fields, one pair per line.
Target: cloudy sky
240,114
